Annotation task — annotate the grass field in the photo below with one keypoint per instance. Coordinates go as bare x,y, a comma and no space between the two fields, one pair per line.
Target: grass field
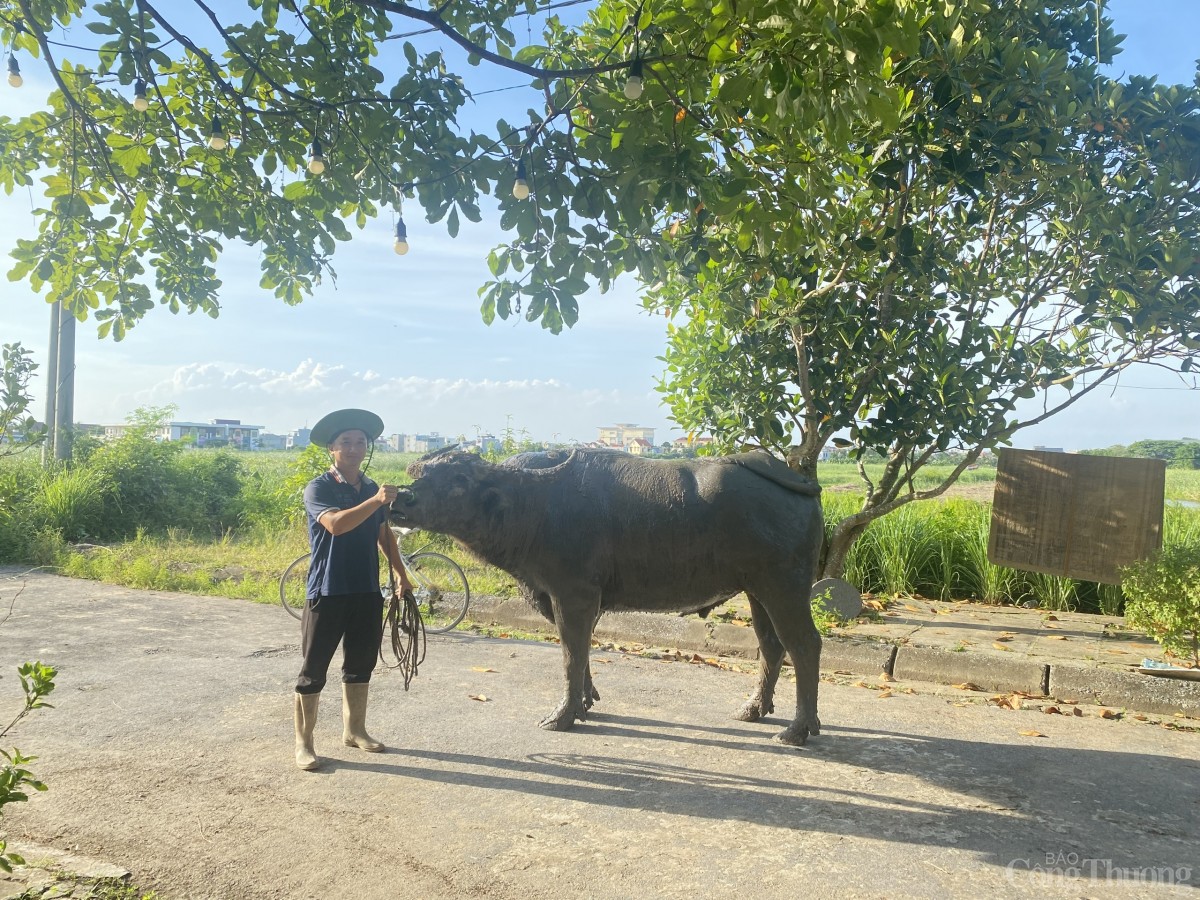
935,548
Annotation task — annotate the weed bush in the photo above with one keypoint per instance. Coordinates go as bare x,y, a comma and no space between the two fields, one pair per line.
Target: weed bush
1163,599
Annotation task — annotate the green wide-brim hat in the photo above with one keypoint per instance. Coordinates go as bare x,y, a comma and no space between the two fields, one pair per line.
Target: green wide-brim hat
333,424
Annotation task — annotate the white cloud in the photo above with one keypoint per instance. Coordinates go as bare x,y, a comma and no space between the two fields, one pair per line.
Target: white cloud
284,399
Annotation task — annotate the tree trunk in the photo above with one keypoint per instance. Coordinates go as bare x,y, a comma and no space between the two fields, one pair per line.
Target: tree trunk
838,546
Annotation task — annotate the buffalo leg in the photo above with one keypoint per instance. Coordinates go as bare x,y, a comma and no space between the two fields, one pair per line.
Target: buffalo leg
590,694
770,660
575,635
787,602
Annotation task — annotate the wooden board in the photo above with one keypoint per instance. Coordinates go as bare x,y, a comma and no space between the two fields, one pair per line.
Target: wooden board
1077,516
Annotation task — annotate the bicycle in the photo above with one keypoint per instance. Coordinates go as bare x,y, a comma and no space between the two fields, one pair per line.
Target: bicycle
438,584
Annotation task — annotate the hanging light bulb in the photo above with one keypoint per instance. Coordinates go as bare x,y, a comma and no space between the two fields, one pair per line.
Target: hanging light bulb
633,85
316,158
14,72
217,138
401,245
521,186
140,103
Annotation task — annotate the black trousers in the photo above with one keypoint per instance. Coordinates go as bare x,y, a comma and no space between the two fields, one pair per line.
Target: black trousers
353,620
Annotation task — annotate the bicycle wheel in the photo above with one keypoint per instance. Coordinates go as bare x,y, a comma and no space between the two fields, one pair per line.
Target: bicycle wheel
441,590
293,586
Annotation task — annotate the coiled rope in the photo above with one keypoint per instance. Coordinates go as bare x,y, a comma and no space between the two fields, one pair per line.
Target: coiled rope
404,626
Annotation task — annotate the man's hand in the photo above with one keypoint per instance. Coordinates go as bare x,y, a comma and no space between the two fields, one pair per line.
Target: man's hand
387,493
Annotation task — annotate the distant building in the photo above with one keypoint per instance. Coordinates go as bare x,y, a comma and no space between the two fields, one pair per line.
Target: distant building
640,447
1040,448
691,443
423,443
216,433
267,441
298,439
484,443
622,436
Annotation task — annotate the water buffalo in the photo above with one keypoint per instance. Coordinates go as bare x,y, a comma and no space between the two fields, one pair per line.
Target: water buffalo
590,531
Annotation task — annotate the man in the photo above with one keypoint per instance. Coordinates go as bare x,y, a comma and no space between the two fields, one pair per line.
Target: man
347,527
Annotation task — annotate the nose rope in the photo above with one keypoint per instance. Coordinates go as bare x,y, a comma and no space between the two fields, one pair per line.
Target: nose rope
406,629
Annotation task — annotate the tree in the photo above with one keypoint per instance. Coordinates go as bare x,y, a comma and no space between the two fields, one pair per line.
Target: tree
876,223
19,431
1021,228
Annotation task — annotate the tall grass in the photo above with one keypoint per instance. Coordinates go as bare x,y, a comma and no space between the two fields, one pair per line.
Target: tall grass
71,502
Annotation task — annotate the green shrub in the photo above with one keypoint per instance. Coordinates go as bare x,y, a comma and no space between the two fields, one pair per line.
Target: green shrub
208,491
1163,598
37,683
143,483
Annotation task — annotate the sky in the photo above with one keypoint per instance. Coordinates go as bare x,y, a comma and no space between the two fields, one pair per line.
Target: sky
403,335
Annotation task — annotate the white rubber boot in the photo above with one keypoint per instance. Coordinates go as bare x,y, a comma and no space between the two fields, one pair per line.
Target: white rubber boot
306,721
354,719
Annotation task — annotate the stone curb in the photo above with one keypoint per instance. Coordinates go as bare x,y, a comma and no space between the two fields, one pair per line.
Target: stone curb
1117,687
1103,685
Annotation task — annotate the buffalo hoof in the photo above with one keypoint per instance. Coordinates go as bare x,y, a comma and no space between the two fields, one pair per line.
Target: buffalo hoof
797,735
562,719
753,710
591,696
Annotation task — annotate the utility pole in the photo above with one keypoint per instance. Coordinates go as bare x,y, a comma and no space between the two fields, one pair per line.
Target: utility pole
51,387
60,382
64,421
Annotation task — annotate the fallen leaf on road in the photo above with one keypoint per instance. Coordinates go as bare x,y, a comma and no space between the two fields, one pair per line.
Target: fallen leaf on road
1001,647
912,608
967,686
481,669
1051,710
884,676
1004,637
1077,711
480,697
1051,618
886,692
1109,714
1056,637
860,684
1049,625
1030,733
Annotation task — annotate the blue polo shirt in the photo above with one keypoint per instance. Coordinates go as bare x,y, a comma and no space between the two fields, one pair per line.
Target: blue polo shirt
346,563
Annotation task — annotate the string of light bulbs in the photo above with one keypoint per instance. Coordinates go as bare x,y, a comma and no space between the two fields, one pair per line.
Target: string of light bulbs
217,137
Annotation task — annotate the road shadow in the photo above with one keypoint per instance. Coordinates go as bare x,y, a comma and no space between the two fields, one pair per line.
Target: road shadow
1009,805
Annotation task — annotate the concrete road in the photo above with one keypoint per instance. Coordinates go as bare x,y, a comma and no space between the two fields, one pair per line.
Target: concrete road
169,752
